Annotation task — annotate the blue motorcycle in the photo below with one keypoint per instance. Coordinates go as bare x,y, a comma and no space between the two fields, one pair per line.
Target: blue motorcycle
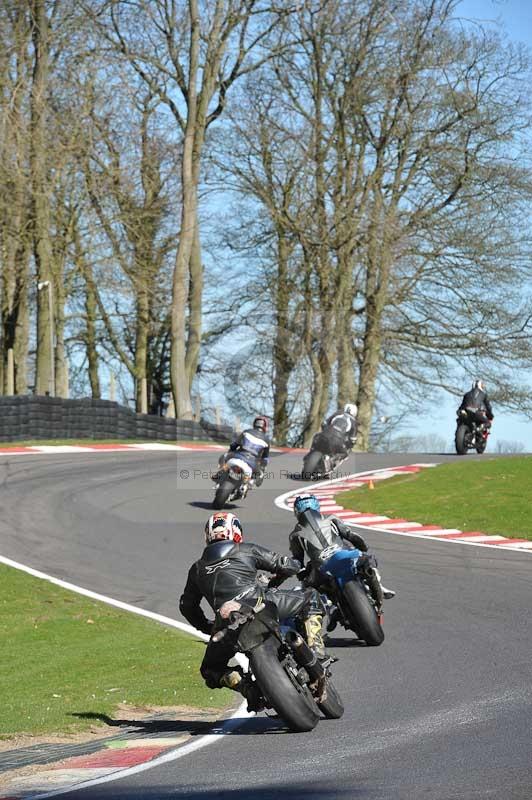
354,589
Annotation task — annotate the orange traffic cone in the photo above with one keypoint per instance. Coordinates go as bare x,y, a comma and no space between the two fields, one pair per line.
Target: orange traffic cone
370,485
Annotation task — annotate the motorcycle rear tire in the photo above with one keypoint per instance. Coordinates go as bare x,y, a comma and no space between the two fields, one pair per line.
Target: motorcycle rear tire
311,462
332,707
360,614
223,493
459,439
294,704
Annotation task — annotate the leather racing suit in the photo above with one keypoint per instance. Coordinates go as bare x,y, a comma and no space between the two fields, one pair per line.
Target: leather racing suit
228,571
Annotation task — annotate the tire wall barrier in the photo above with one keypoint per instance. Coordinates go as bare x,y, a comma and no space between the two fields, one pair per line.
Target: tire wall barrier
26,417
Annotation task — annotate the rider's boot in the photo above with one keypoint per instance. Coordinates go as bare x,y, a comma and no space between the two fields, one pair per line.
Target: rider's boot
314,636
235,679
334,619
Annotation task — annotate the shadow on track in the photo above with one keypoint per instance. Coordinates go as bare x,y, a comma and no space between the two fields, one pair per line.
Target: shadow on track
207,505
146,728
298,790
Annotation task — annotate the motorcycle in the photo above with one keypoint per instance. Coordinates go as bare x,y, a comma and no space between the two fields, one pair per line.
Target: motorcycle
233,482
289,676
472,431
350,586
320,461
355,592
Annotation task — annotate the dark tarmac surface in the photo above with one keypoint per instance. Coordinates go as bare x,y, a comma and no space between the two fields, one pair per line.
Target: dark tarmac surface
442,710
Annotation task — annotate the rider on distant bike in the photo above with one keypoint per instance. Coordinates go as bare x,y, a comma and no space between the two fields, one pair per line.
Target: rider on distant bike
340,429
476,403
252,448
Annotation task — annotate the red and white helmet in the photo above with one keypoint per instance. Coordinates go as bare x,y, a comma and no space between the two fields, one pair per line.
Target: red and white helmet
260,424
223,525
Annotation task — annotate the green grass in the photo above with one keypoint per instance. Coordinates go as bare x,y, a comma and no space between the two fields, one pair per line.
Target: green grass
491,496
64,655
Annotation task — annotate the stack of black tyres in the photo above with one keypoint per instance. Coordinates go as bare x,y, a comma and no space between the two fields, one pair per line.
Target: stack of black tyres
26,417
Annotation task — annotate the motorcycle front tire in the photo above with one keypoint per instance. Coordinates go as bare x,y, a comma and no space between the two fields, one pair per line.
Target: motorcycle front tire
360,614
293,703
460,439
223,493
311,464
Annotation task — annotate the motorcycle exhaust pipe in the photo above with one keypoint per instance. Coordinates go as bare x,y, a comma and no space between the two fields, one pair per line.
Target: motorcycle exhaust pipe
304,656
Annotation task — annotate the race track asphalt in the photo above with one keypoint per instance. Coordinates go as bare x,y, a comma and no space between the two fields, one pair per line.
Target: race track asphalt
441,711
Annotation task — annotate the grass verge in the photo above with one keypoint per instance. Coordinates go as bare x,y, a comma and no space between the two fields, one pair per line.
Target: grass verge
66,659
491,496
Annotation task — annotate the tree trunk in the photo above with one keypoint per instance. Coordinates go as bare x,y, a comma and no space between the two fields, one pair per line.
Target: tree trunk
283,346
61,363
90,338
195,294
141,345
40,201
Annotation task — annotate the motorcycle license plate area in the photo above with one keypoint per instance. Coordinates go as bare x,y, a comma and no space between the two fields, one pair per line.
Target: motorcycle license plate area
238,468
341,565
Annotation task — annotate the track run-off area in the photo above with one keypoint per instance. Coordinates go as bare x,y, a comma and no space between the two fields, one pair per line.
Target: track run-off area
441,711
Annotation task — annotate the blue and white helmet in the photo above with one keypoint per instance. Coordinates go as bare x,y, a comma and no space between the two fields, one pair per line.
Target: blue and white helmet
306,502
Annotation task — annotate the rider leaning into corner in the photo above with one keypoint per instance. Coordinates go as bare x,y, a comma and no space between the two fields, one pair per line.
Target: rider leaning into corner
329,533
252,448
228,571
476,402
340,429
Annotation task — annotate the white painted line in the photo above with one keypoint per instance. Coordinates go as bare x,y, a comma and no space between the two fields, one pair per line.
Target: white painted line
111,601
393,525
520,545
231,724
241,713
60,448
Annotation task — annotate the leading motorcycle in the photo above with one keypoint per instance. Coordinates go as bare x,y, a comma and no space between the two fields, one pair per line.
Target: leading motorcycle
472,431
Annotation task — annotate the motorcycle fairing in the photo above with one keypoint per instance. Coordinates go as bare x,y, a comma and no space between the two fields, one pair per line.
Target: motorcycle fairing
341,566
238,461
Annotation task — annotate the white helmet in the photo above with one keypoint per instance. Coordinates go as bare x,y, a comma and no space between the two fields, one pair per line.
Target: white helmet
223,525
351,408
478,385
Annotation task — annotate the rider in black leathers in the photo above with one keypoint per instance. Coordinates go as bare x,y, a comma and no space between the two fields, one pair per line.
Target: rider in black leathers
476,402
340,429
253,447
227,570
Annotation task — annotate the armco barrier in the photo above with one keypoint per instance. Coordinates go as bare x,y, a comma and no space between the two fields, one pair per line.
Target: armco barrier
24,417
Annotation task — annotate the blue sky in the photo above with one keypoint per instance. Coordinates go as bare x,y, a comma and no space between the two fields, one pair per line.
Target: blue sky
514,17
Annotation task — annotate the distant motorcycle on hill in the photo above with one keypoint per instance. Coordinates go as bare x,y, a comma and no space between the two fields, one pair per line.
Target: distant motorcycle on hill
472,431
